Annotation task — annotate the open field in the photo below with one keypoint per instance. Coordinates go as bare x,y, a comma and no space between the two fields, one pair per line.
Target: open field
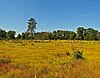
25,59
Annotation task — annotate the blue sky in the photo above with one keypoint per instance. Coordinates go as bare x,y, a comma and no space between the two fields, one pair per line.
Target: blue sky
49,14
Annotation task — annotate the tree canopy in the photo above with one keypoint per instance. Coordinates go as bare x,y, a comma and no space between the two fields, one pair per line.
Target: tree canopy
31,27
80,34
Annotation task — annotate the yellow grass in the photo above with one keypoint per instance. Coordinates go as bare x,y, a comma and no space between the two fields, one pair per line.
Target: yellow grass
49,60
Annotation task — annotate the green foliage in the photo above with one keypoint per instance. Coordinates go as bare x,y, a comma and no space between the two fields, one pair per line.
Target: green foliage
31,27
18,37
50,36
80,33
2,34
86,34
11,34
24,36
63,35
91,34
78,55
98,36
41,36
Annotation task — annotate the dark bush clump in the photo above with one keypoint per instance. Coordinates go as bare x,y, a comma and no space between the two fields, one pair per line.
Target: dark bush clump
78,55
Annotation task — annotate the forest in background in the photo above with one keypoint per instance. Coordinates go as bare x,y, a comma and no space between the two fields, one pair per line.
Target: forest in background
80,34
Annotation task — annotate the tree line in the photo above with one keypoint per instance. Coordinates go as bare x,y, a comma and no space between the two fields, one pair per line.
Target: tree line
80,34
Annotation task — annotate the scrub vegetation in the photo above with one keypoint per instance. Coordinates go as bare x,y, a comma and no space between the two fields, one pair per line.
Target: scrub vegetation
49,59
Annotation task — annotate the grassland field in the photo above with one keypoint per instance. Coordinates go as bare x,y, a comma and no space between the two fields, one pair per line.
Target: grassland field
45,59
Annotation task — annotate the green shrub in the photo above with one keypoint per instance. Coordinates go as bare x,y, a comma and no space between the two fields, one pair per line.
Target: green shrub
78,55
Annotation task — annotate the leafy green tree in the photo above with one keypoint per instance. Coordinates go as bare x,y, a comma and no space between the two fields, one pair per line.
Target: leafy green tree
23,36
66,35
80,33
11,34
50,36
54,35
41,36
59,34
91,34
98,36
2,34
31,27
72,35
18,36
62,35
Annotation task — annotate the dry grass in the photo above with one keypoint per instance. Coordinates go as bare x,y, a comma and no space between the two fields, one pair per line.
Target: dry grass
25,59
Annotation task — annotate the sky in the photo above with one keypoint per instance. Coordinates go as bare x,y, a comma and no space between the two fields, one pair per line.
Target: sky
50,15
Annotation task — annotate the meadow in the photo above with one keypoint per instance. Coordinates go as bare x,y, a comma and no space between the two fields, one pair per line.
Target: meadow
49,59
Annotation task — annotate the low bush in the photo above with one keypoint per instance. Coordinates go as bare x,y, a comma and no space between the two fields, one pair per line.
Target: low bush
78,55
